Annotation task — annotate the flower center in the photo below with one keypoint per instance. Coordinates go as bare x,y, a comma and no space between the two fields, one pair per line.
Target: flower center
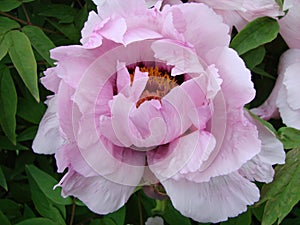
160,82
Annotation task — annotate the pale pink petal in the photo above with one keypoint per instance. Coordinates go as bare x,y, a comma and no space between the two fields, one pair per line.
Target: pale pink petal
290,25
204,35
213,201
48,138
287,73
148,124
120,8
260,167
155,221
73,61
69,156
89,26
291,81
130,90
51,80
183,58
185,154
224,4
289,116
97,193
235,145
236,77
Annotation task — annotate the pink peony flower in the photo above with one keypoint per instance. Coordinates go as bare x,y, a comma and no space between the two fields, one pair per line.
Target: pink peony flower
152,97
283,99
239,12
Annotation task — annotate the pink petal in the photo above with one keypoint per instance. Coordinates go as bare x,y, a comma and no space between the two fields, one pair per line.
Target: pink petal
290,26
185,154
203,35
48,138
182,57
237,86
99,194
120,8
213,201
51,80
291,81
73,61
92,21
115,162
235,145
289,116
69,156
260,167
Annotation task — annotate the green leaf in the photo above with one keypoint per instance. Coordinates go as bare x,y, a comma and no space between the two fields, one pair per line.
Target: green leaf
172,216
8,5
43,204
7,24
242,219
28,134
290,137
258,32
254,57
6,144
283,193
40,42
119,216
103,221
46,183
64,13
263,73
69,30
23,59
3,219
8,105
10,208
3,180
4,46
35,114
37,221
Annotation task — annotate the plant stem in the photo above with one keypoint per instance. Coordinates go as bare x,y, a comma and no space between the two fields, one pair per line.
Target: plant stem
72,212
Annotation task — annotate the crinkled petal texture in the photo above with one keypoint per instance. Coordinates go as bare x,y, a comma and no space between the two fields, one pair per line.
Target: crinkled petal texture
151,96
283,97
239,12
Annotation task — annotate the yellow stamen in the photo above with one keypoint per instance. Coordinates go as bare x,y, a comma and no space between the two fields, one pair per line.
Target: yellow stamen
158,85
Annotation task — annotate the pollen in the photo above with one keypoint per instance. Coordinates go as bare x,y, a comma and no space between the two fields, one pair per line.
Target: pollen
160,82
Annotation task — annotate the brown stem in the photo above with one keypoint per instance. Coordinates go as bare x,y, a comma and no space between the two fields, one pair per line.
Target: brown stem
72,212
140,209
79,3
26,14
27,23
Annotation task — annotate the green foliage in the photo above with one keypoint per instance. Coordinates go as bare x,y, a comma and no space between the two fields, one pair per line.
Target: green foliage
29,29
256,33
290,137
284,193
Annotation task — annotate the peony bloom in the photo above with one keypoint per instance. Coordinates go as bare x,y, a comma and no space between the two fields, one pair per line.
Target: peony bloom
153,98
239,12
283,99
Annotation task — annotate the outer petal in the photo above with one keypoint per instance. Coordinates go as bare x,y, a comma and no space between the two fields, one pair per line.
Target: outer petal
203,35
51,80
237,86
185,154
99,194
237,144
290,26
213,201
284,94
48,138
289,116
260,167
